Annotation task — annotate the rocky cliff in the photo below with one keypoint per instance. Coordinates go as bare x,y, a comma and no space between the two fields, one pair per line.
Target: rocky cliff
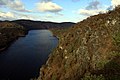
9,32
90,50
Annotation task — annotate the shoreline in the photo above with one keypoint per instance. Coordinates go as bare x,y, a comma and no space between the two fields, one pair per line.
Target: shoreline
10,43
9,33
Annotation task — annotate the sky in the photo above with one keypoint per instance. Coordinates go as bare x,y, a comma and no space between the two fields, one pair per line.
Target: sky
54,10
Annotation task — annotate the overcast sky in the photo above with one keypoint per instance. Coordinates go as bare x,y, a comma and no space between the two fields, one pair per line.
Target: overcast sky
54,10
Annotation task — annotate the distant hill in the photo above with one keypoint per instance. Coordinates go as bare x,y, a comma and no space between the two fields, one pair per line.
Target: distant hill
88,51
30,25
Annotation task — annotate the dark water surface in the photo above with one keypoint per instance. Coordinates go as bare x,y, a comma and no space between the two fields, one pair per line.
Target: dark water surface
23,59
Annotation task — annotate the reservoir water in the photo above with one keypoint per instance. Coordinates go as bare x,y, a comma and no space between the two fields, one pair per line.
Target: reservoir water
23,59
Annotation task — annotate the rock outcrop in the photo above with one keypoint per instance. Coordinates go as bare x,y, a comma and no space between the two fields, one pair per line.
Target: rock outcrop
90,50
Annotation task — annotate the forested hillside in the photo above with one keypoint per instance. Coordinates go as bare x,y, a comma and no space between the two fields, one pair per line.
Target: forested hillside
9,32
90,50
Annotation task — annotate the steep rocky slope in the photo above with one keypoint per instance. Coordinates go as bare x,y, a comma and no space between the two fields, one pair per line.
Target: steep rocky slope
9,32
88,51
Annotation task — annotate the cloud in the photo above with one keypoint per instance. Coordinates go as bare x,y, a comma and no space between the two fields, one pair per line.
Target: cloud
110,8
16,5
93,5
2,3
115,2
6,16
46,0
90,12
14,16
26,17
93,8
48,7
49,16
